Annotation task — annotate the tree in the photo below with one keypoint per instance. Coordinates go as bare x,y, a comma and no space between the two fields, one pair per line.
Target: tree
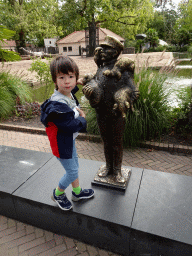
183,26
32,20
164,23
152,37
4,54
116,15
185,17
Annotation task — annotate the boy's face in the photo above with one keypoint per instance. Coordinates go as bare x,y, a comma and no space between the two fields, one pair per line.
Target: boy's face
66,83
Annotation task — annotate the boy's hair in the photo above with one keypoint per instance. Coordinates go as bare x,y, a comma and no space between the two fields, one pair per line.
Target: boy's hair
63,64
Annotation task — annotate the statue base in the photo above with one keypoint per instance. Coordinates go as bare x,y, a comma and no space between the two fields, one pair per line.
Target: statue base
111,182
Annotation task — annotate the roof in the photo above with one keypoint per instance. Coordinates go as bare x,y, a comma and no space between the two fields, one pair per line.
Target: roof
79,36
8,43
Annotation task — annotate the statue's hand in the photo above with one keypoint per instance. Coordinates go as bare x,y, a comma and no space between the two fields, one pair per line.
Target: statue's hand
123,101
87,78
87,90
92,92
113,73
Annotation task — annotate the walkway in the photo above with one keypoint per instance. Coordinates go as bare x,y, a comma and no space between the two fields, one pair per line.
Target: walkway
21,239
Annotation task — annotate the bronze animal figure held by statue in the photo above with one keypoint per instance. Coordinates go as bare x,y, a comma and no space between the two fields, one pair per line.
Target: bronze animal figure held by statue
111,91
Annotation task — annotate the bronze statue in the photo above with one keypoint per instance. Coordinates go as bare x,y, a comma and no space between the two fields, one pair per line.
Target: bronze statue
111,91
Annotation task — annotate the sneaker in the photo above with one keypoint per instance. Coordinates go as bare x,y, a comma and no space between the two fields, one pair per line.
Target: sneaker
84,194
62,201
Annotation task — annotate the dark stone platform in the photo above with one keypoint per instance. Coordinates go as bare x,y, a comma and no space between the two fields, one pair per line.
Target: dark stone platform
152,217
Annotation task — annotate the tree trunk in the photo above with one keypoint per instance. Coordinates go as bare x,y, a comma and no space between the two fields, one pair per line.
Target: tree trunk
92,37
20,42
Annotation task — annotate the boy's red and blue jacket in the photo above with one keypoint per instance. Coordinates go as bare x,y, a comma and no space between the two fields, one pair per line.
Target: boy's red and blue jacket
60,123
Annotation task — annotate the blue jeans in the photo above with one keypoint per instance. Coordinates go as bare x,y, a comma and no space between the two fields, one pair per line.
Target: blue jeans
71,167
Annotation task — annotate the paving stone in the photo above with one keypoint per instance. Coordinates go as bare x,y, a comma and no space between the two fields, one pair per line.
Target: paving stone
39,232
20,226
11,223
92,250
69,242
31,244
41,248
3,220
103,253
54,251
7,231
49,236
12,237
58,239
81,247
22,240
71,252
3,250
13,251
30,229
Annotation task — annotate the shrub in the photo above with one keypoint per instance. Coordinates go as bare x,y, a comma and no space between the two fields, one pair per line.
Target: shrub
43,75
28,110
159,48
12,87
182,115
151,115
92,126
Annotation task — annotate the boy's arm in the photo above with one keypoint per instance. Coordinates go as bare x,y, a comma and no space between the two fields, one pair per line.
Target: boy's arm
67,123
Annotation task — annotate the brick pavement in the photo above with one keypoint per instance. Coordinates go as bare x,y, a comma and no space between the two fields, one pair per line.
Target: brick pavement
17,238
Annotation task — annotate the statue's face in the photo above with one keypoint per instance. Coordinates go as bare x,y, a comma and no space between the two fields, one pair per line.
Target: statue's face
108,53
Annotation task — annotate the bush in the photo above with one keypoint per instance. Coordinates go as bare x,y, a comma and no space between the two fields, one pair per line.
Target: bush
182,114
6,55
159,48
28,110
43,75
12,87
151,116
92,126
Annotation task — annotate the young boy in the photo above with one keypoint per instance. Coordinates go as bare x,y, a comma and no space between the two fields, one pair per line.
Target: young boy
63,120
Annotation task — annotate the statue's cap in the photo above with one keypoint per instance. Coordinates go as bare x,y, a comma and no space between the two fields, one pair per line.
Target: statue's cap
113,42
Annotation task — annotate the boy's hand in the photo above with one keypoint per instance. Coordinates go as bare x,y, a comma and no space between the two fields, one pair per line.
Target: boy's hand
81,113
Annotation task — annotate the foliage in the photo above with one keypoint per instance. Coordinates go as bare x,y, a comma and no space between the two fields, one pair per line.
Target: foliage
151,115
138,45
164,22
6,55
159,48
183,113
185,15
28,110
31,20
152,37
92,126
189,49
43,75
12,87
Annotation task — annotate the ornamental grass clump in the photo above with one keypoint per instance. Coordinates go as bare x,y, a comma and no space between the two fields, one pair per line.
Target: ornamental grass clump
151,115
12,87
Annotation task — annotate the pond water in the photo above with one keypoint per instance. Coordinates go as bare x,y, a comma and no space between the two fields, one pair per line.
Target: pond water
182,79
